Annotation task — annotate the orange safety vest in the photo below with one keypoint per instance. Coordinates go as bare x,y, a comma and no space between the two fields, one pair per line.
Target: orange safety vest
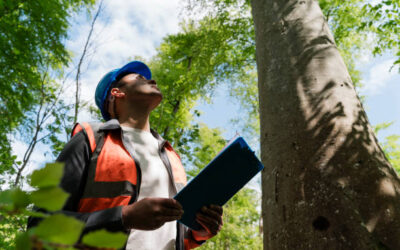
113,175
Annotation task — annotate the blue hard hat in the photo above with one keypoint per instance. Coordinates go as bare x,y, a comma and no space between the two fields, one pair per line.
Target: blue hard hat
103,87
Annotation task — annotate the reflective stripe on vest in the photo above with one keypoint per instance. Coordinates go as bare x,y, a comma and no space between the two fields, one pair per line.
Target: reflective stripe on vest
112,174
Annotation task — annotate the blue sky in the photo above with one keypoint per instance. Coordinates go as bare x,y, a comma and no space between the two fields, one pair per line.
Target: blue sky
132,28
382,92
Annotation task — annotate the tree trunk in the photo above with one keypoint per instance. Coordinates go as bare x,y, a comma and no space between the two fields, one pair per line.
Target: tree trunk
326,182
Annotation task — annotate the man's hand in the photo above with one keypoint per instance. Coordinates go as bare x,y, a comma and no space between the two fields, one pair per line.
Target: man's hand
151,213
210,218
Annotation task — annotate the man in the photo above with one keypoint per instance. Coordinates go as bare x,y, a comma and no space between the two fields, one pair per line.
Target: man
122,175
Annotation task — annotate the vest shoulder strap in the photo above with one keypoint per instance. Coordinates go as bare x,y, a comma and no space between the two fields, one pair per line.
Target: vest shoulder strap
95,139
91,132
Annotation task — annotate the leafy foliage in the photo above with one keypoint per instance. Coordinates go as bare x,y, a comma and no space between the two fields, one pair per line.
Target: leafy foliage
205,147
32,39
10,226
13,199
241,228
40,198
102,238
55,230
42,125
49,230
49,176
382,18
242,84
390,145
189,65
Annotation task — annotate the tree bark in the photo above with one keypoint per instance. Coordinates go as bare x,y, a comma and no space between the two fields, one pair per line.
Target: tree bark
326,182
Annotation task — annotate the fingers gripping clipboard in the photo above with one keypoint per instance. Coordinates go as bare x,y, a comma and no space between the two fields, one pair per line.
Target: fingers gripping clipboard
221,179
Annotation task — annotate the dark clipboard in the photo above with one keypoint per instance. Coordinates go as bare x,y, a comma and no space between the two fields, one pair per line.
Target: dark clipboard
221,179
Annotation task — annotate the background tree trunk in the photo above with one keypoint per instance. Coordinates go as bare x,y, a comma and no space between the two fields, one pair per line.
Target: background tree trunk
326,182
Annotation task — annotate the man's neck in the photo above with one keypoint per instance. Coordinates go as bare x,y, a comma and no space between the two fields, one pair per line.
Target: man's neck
138,119
136,123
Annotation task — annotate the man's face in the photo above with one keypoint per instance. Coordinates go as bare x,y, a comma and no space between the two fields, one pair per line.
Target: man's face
138,88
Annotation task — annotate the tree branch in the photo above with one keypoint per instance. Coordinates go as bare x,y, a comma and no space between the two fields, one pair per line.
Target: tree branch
78,73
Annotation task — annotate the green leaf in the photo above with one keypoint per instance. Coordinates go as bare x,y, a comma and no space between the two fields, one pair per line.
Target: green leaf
14,199
103,238
59,228
49,176
23,242
382,126
28,212
20,199
51,199
6,200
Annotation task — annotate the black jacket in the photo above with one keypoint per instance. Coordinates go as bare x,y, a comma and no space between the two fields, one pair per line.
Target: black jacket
76,156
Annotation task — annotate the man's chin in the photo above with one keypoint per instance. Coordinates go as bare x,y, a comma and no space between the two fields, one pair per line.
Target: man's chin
156,98
156,94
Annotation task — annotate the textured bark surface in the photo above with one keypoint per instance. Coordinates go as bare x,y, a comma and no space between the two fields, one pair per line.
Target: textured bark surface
326,182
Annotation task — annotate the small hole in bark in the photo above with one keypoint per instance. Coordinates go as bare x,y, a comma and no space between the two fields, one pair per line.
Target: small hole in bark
321,223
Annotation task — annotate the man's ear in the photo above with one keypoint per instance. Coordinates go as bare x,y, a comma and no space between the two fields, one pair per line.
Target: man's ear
116,93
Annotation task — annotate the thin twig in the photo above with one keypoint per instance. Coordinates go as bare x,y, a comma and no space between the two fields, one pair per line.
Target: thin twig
78,72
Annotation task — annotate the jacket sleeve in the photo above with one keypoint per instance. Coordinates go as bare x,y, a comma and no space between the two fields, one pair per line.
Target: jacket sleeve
193,239
76,157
